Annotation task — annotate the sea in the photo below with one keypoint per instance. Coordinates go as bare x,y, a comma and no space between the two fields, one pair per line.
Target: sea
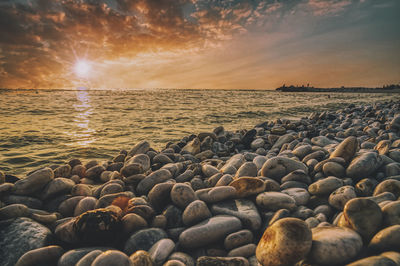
44,127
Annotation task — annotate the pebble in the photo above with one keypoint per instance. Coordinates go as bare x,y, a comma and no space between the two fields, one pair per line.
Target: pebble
216,194
247,169
334,245
374,260
144,239
391,213
112,257
278,167
387,239
209,231
237,239
247,186
41,256
341,196
390,185
228,261
300,195
325,186
182,195
88,259
346,149
152,179
33,182
160,251
141,258
195,212
285,242
364,165
275,200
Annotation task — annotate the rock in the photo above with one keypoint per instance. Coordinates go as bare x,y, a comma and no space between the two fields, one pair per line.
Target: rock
374,261
391,213
341,196
182,195
21,236
63,171
300,195
243,209
235,161
162,159
159,195
81,190
141,159
183,257
195,212
394,256
237,239
333,169
334,245
97,226
94,172
390,185
247,186
363,165
41,256
364,216
111,188
325,186
209,231
257,143
395,123
152,179
143,239
88,259
132,169
193,147
56,187
388,239
73,256
216,194
141,147
278,167
247,169
346,149
112,257
297,175
132,222
2,177
285,242
84,205
160,251
14,211
66,233
174,263
221,261
141,258
282,140
302,151
33,182
275,200
243,251
209,170
383,147
365,187
67,207
322,141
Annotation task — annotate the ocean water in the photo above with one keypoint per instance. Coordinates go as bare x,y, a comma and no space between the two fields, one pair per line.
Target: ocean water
50,127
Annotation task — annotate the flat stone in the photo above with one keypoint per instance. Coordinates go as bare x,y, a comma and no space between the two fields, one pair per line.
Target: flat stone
285,242
209,231
248,186
160,251
334,245
247,169
243,209
275,200
41,256
21,236
216,194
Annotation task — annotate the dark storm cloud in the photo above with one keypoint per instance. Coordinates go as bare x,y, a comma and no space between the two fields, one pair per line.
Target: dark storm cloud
39,39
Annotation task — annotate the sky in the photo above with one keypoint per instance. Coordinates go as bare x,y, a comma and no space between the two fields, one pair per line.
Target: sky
198,44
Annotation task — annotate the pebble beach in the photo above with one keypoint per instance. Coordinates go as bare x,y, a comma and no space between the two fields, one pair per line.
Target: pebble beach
320,190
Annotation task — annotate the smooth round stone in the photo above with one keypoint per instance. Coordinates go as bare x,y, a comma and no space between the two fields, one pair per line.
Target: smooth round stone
391,213
14,211
84,205
216,194
325,186
259,161
287,138
224,180
389,185
285,242
322,141
247,186
112,257
237,239
282,213
235,161
143,239
364,165
6,188
271,185
257,143
182,195
152,179
56,187
94,172
142,159
62,171
334,245
243,251
374,261
111,189
243,209
302,151
275,201
209,231
21,236
79,170
385,196
183,257
333,169
278,167
346,149
132,222
81,190
193,147
88,259
160,251
388,239
247,169
312,222
162,159
300,195
141,258
365,187
139,148
159,196
364,216
341,196
394,256
231,261
297,175
33,182
209,170
42,256
195,212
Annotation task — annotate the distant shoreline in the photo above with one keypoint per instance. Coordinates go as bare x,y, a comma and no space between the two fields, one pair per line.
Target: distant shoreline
389,89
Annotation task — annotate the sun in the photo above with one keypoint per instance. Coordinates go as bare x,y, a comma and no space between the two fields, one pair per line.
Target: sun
82,68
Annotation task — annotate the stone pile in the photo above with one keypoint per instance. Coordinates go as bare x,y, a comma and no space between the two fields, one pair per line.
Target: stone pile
323,190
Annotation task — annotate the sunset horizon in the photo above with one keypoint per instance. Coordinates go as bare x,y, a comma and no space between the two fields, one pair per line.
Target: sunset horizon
198,44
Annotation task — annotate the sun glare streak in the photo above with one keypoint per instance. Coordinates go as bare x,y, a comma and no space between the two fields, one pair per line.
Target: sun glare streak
82,68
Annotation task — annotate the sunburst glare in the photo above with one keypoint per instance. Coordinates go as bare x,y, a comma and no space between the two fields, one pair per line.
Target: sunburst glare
82,68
